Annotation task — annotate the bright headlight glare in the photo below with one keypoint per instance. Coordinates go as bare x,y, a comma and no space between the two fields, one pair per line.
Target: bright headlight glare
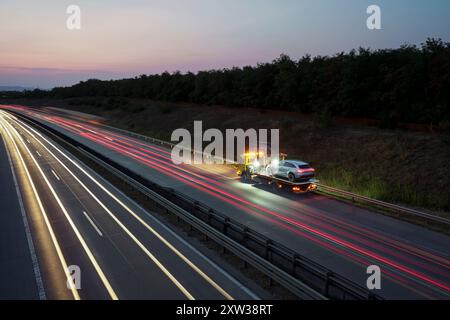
275,163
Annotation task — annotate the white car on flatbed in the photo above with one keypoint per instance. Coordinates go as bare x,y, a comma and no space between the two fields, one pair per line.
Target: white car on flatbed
292,170
296,175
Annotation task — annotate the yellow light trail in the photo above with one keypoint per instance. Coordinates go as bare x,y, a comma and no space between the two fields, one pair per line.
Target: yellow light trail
222,291
44,214
174,280
91,257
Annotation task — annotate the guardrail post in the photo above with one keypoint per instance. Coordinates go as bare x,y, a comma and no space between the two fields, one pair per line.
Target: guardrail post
326,290
244,235
196,205
226,221
268,244
294,263
224,230
210,215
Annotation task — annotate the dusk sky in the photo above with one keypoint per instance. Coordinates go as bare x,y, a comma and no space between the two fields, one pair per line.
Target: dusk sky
128,38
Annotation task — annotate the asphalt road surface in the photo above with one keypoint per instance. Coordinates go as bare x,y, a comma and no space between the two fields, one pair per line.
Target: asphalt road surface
19,275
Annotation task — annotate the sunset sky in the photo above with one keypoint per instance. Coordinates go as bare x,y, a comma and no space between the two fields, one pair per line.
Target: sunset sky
128,38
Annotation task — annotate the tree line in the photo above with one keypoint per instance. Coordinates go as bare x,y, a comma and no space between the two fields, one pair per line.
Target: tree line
407,84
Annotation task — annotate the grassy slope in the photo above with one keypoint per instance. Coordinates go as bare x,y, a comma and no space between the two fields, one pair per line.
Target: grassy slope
410,168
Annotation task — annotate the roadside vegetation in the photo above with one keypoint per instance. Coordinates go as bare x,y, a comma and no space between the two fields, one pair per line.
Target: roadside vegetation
409,84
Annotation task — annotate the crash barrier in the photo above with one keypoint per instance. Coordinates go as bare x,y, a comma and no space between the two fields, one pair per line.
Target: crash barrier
384,205
298,274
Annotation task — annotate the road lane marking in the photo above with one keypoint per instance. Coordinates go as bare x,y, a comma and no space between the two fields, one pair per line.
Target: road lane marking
159,236
92,223
122,226
195,250
31,248
75,229
38,153
47,221
56,176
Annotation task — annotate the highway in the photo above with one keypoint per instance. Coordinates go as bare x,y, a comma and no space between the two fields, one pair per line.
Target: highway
78,219
415,261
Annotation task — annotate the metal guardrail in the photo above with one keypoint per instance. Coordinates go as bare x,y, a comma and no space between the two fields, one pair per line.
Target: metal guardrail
385,205
140,136
325,189
302,276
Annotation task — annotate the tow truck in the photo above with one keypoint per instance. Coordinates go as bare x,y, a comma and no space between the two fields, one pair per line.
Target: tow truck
259,168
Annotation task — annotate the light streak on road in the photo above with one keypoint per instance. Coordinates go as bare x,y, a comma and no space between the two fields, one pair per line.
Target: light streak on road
136,216
91,257
61,257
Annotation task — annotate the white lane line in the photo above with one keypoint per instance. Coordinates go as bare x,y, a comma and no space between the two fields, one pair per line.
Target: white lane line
28,141
172,278
92,223
56,176
44,214
200,254
167,243
38,153
74,227
34,259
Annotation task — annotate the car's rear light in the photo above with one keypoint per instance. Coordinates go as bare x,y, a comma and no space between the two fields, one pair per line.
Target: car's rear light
306,170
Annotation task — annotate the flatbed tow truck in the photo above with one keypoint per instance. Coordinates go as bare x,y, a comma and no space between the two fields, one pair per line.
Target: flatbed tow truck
257,166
